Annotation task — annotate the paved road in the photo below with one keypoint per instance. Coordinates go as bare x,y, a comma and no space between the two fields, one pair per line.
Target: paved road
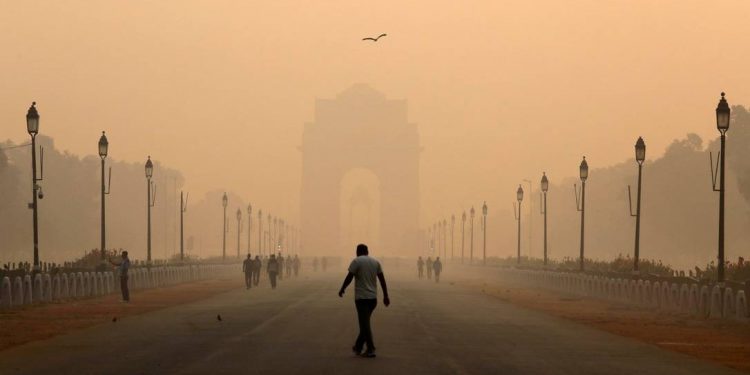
304,328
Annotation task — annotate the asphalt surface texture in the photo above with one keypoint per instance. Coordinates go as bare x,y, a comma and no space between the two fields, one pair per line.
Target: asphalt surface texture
303,327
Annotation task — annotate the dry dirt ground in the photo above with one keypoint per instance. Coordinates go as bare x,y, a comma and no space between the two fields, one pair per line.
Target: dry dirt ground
720,341
35,322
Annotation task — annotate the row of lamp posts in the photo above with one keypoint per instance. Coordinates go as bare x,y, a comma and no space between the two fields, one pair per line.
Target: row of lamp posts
723,116
437,233
279,234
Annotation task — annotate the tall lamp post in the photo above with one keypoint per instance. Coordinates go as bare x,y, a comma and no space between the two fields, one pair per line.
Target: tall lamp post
150,201
183,209
531,221
224,202
249,225
445,238
519,198
260,231
103,150
269,249
640,157
471,242
723,113
239,230
274,243
583,170
434,237
453,226
463,235
484,233
545,187
32,126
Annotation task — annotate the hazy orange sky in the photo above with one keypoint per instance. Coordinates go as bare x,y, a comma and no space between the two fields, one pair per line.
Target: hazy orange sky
500,90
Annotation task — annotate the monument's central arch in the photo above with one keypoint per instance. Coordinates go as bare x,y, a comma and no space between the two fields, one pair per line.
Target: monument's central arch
360,129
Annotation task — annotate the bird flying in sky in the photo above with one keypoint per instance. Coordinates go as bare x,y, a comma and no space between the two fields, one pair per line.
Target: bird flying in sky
375,39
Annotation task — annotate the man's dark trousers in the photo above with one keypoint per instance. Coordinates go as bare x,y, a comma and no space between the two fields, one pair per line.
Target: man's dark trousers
124,288
365,307
249,279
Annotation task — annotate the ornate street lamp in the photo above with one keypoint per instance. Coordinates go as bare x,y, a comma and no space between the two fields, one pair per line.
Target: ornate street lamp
103,150
224,229
453,225
640,157
445,239
583,171
545,187
260,228
519,198
484,233
239,230
32,126
183,209
471,243
150,202
249,225
463,232
723,114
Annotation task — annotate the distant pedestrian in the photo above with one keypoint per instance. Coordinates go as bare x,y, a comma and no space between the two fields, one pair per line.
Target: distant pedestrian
420,267
280,259
123,268
315,264
365,270
256,270
273,270
296,265
247,268
288,265
437,266
428,264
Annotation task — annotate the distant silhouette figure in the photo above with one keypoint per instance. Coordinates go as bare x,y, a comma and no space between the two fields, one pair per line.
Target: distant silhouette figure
248,268
273,268
429,268
296,265
375,39
420,267
123,267
365,270
256,270
437,266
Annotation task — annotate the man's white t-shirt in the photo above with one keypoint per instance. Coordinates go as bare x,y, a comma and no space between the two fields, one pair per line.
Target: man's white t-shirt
365,270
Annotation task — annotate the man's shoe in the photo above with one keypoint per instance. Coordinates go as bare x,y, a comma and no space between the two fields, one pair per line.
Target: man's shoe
369,354
356,351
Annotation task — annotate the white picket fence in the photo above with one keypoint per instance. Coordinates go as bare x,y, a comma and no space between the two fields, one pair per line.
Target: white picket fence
69,286
679,298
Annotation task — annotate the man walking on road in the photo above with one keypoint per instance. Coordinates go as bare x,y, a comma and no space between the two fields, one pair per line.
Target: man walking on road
256,270
273,270
437,266
365,270
429,268
420,267
248,268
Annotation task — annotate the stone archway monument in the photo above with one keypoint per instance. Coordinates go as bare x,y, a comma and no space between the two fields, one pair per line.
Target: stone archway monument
360,129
